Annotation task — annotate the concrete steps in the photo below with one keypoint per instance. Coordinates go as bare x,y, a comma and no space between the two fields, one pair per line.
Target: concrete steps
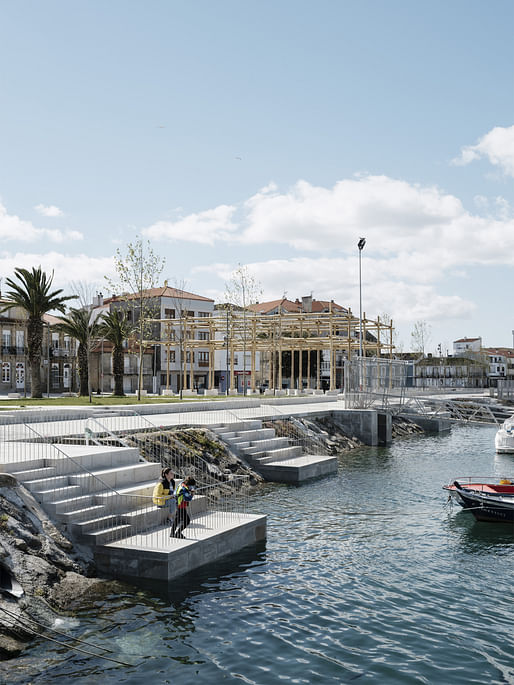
276,455
97,493
271,456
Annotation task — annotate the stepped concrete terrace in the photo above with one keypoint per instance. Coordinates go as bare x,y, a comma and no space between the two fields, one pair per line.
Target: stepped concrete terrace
101,497
276,462
275,458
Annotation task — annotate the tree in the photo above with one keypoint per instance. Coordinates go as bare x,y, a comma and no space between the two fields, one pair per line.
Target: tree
420,336
242,290
386,320
115,328
79,324
32,293
138,272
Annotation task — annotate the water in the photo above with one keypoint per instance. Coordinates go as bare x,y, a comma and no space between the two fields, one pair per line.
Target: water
365,577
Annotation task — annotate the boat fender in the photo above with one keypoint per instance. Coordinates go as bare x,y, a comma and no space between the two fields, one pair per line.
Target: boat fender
505,481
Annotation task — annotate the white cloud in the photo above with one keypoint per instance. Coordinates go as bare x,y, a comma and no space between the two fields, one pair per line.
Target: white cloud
205,227
409,293
421,224
13,228
50,210
66,267
497,146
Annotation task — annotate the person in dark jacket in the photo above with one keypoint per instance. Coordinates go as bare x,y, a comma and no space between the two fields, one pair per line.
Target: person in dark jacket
184,495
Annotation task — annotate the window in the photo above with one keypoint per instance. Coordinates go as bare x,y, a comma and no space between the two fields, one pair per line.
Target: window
171,355
190,314
20,342
55,341
20,375
203,335
188,357
6,372
66,376
55,375
204,314
6,340
169,313
203,358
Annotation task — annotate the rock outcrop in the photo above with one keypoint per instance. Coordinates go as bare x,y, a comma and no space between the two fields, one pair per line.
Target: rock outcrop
40,571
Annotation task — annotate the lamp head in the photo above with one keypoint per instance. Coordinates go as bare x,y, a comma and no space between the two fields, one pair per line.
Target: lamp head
361,243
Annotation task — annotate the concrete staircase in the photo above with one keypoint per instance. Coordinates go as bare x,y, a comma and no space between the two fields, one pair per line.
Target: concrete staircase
99,494
271,456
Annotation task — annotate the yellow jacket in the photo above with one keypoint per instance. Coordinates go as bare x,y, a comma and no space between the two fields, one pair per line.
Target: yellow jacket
161,495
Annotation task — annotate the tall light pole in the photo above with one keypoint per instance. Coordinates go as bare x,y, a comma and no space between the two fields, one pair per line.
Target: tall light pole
360,245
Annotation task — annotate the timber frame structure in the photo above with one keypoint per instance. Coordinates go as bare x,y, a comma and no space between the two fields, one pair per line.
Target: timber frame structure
336,333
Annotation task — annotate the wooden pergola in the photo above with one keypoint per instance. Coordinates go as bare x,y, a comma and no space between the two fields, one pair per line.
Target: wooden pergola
271,335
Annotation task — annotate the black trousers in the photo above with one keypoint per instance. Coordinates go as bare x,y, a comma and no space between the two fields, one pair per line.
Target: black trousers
181,521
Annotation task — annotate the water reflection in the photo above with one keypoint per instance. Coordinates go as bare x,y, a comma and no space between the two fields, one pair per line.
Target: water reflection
209,578
479,537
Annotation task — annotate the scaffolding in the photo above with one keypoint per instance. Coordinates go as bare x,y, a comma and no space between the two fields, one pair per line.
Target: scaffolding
329,337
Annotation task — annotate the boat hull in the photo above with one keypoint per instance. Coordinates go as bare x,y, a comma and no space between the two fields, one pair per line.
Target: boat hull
484,510
486,501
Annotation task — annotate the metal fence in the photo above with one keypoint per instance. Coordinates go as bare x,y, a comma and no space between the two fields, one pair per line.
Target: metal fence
95,473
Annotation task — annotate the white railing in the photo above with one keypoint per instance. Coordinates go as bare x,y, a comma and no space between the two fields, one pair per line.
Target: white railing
62,469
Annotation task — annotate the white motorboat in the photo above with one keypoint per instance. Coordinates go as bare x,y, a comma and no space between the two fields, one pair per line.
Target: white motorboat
504,438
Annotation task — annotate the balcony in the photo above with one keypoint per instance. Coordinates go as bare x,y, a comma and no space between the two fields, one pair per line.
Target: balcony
11,349
60,352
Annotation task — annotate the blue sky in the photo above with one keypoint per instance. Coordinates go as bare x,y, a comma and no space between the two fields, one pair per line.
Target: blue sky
272,134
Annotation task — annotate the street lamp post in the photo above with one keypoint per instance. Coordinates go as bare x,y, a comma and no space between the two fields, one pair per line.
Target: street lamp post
360,245
226,358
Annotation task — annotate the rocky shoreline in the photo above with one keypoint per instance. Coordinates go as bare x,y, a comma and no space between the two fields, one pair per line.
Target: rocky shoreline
43,574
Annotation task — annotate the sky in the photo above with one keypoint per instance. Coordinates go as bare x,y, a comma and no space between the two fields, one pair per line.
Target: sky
272,134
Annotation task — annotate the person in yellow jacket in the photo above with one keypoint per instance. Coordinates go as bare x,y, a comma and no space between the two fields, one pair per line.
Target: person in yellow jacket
163,496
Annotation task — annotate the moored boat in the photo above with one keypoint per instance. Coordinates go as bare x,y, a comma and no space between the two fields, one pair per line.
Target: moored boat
504,438
491,500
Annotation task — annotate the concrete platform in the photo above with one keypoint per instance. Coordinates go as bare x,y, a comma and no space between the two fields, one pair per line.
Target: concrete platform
300,469
154,555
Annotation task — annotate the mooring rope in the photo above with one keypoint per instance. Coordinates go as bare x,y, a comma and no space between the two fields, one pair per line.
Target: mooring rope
65,644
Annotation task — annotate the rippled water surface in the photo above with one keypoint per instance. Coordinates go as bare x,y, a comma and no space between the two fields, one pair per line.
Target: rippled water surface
365,576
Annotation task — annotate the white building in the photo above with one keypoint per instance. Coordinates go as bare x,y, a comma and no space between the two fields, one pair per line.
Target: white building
466,345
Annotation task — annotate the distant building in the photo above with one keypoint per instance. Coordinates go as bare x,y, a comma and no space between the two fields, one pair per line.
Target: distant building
501,364
165,367
465,345
450,372
58,355
285,306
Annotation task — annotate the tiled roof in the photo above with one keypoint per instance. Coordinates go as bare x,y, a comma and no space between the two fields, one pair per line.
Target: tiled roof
289,306
162,291
463,340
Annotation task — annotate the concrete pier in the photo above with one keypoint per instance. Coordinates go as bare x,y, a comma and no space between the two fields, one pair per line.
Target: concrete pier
154,555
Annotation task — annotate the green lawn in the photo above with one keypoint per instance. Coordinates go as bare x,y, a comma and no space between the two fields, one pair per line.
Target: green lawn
99,401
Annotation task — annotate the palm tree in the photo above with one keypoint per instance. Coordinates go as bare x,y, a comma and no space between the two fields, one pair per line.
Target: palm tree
78,325
115,328
33,294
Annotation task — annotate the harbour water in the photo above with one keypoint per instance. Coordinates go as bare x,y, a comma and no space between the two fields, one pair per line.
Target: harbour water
366,576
